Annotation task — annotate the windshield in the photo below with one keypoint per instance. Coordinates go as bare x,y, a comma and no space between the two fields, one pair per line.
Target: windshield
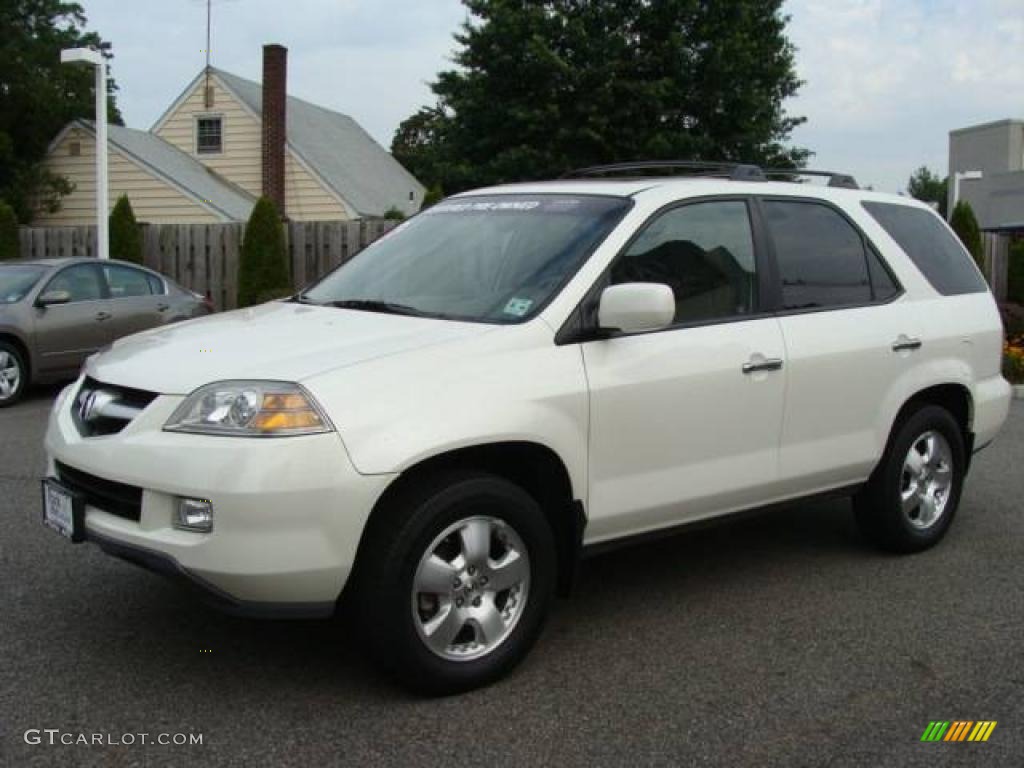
16,280
492,259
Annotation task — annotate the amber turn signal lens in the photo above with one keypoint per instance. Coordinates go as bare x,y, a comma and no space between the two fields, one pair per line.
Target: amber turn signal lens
274,421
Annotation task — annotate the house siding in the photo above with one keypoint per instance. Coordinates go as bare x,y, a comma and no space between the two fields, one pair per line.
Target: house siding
240,161
152,199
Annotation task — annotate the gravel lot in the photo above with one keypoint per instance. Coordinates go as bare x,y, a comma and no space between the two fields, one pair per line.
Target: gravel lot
778,640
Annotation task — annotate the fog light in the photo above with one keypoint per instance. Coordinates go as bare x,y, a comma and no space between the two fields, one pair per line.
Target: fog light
194,515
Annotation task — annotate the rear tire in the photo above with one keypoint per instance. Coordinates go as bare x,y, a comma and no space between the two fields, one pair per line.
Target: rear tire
912,496
454,582
13,374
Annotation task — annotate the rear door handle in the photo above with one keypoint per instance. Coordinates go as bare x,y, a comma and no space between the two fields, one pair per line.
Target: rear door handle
905,344
758,364
101,316
163,307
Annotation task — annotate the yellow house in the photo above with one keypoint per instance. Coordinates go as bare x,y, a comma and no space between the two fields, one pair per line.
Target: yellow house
225,141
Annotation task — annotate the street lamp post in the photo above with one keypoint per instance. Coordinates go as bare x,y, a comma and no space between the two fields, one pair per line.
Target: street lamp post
95,58
959,176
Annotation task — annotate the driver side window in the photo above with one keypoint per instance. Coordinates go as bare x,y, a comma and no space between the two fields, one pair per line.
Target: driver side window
704,252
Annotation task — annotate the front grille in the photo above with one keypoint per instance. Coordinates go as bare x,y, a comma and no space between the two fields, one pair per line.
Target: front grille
110,496
106,409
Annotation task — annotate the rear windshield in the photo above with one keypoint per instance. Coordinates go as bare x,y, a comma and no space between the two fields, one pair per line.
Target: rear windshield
931,246
495,258
16,280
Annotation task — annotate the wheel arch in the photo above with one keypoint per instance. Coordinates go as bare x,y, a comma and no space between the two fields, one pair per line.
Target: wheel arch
536,468
952,396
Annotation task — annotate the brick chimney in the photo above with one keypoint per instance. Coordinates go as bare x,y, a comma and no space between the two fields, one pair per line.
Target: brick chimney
275,78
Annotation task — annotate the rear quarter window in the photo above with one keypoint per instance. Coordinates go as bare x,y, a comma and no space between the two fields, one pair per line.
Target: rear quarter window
934,250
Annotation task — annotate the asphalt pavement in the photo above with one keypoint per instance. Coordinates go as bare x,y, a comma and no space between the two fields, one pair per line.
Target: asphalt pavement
779,640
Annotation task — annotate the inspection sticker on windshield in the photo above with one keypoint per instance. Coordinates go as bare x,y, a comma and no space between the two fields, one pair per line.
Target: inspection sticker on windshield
518,307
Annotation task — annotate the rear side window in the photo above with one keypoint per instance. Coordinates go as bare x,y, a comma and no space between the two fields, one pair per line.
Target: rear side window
934,250
820,256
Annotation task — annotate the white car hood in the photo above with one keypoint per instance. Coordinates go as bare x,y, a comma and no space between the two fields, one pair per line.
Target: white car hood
278,341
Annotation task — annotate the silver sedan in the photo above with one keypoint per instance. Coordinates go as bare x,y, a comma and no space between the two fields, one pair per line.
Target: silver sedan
56,312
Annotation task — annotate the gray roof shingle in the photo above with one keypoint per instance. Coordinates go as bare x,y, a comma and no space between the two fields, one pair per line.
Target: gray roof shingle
344,155
180,169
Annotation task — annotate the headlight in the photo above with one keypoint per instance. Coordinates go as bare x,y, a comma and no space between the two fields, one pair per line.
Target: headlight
249,409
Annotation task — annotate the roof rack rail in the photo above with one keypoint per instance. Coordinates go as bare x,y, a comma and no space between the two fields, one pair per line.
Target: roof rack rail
713,169
733,171
841,180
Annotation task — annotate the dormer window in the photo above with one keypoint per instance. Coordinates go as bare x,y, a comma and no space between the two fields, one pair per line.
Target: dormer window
209,135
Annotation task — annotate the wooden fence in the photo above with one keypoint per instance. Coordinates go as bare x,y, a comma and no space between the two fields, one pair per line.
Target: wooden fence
204,257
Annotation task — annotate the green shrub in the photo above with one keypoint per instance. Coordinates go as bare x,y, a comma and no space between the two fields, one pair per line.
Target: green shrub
394,214
1015,273
125,235
8,232
965,225
263,272
434,196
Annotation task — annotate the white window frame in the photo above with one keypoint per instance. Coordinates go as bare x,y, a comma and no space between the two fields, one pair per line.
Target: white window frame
195,132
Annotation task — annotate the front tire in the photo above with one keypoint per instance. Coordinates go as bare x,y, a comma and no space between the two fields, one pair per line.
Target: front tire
13,374
455,581
911,499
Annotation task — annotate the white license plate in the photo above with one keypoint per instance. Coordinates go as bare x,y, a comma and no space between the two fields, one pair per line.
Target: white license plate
61,510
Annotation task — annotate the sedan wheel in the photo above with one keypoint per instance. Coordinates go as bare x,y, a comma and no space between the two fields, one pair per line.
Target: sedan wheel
12,375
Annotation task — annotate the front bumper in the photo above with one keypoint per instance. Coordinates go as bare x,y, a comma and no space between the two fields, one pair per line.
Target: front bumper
288,512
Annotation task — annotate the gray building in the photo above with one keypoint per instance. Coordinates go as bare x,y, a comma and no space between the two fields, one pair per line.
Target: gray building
997,197
997,150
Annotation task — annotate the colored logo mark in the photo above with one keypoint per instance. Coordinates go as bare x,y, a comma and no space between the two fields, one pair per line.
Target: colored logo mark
958,730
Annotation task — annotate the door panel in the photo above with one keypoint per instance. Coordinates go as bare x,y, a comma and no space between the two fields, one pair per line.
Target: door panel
678,430
842,367
66,334
133,304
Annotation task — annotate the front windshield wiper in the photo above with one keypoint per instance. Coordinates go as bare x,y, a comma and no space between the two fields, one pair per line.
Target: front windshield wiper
376,305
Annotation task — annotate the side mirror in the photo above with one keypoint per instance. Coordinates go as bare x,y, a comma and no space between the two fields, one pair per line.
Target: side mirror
53,297
633,307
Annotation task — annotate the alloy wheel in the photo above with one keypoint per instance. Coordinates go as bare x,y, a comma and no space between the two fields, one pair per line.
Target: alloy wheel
10,375
470,588
927,480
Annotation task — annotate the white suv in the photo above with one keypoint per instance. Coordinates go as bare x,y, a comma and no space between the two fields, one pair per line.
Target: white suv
440,428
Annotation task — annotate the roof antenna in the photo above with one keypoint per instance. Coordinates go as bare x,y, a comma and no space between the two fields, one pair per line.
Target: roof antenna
207,91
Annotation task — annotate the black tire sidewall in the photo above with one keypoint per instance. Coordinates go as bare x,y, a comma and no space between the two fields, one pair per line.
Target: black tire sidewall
892,524
426,515
23,381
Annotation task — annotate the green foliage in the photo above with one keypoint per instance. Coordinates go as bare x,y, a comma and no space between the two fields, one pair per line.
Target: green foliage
125,235
263,271
8,232
39,96
965,225
1015,274
547,86
394,214
434,196
927,186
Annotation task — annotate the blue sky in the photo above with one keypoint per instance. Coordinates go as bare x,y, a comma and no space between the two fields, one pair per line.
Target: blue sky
886,80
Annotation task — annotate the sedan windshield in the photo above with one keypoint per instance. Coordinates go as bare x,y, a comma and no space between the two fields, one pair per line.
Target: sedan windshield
496,259
16,280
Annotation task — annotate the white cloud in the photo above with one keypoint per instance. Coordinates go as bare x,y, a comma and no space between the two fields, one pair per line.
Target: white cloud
886,79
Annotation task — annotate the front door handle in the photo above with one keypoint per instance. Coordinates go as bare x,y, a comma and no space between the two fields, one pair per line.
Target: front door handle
162,307
757,364
101,316
905,344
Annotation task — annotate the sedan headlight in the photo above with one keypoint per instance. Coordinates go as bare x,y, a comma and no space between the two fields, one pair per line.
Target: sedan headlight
249,409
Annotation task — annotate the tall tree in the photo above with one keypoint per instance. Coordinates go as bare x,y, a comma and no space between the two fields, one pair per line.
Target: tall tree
929,187
543,86
39,95
965,224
